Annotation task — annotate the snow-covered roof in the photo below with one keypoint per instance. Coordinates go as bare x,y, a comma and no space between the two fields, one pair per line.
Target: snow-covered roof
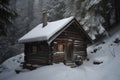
40,33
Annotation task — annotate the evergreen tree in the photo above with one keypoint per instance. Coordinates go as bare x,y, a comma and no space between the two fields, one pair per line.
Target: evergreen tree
6,16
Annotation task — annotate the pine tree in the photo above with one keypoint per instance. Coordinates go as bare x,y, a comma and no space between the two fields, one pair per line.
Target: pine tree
6,16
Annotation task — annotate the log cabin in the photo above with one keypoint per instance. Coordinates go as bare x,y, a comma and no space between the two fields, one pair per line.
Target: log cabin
53,42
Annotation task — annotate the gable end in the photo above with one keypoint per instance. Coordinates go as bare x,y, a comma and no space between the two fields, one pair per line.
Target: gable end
68,25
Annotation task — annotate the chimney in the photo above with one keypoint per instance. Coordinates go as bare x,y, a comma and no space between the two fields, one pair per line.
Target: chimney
44,18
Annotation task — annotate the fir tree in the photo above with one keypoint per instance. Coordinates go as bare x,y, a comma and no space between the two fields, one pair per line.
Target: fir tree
6,16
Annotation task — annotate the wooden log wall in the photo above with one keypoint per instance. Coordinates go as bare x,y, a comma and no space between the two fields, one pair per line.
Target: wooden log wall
58,57
41,55
79,41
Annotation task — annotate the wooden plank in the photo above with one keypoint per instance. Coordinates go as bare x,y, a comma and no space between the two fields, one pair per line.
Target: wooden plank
81,45
79,52
82,42
38,61
62,37
79,48
43,55
73,38
79,41
72,29
70,35
37,55
58,57
70,32
74,35
37,58
43,52
60,41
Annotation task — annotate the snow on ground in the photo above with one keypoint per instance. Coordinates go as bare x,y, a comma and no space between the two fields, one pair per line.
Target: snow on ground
7,69
107,51
13,62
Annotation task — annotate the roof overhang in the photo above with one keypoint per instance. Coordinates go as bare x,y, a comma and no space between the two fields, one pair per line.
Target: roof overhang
56,34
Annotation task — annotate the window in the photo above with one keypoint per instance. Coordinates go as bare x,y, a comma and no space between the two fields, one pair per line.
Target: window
34,49
60,48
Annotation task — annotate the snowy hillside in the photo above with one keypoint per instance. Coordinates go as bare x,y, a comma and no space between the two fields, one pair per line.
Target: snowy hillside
107,52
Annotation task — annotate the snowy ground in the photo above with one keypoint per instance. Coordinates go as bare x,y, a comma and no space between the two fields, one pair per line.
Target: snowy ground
108,53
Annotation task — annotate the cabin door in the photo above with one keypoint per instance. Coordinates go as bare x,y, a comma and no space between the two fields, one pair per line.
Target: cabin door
69,51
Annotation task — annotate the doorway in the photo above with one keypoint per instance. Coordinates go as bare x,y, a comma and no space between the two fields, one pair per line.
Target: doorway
69,51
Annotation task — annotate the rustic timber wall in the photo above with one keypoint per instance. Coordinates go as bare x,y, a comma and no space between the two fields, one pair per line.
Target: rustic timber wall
78,39
58,57
38,53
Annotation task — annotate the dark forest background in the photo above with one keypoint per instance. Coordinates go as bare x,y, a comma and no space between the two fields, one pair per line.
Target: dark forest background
17,17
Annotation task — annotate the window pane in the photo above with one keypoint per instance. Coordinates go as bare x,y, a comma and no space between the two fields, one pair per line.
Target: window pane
34,49
60,48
